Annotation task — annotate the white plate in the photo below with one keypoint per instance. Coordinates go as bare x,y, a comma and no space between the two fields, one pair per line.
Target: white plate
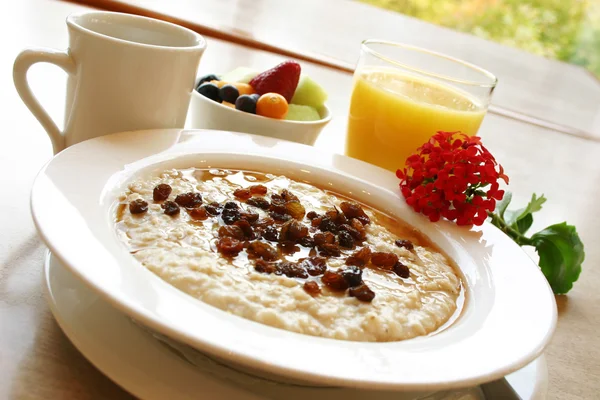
508,318
152,370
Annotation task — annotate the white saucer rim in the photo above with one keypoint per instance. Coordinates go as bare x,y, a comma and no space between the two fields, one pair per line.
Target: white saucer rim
335,379
539,389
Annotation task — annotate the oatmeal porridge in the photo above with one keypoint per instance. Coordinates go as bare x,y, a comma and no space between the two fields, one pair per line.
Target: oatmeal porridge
288,254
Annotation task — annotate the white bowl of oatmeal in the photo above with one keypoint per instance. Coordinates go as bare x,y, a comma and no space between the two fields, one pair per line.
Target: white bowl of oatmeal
443,307
288,254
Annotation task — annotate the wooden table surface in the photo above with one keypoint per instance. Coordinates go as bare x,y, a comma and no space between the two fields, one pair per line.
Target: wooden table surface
38,362
531,87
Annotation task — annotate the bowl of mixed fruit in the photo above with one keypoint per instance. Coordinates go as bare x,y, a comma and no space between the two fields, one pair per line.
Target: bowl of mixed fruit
281,102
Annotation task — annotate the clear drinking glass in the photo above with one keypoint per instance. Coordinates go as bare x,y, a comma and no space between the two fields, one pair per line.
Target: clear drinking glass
403,95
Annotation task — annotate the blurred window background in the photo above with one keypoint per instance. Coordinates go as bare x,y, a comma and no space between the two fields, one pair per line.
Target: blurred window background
565,30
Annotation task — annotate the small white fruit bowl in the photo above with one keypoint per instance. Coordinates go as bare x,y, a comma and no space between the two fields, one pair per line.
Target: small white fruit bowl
208,114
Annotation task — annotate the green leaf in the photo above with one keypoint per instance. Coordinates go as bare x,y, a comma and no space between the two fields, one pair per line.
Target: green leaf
535,204
561,255
522,225
503,204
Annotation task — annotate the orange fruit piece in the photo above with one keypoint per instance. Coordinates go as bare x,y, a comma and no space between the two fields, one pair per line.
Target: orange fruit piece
219,84
243,88
272,105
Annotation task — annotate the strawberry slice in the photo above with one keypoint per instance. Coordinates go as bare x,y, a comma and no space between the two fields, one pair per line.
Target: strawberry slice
282,79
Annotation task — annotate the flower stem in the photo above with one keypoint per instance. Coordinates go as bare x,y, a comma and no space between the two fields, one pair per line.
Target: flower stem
517,236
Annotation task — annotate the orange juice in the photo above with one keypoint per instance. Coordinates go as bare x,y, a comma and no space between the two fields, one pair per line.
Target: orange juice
392,114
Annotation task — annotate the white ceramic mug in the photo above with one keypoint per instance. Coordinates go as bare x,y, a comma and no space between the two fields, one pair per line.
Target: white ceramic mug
126,72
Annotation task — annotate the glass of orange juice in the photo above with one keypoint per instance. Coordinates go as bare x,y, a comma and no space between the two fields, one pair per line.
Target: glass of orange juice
403,95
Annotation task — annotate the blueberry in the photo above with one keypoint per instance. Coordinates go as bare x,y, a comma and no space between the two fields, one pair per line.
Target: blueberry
208,78
211,91
229,93
246,103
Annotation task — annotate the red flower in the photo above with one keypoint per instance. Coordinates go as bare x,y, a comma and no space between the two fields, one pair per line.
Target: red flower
452,176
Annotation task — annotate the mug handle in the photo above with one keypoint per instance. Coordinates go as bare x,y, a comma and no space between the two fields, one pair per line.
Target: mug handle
23,62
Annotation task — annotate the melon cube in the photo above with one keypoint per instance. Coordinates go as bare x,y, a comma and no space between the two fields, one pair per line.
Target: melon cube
240,74
298,112
309,93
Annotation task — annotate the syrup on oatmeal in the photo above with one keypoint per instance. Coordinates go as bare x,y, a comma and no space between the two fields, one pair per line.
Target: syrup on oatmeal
262,226
296,258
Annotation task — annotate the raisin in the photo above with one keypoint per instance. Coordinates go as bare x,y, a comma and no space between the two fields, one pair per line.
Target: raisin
262,250
295,209
407,244
355,233
245,227
213,208
283,233
337,217
331,214
230,215
354,210
279,217
277,198
231,231
384,260
401,270
334,281
138,206
328,249
278,208
286,195
264,267
307,241
364,219
243,194
270,233
231,205
327,225
249,216
259,202
198,214
341,219
322,238
312,288
263,223
189,199
311,215
315,222
170,207
289,248
362,293
352,275
292,231
229,246
161,192
315,265
350,210
259,190
291,270
346,240
360,228
359,258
